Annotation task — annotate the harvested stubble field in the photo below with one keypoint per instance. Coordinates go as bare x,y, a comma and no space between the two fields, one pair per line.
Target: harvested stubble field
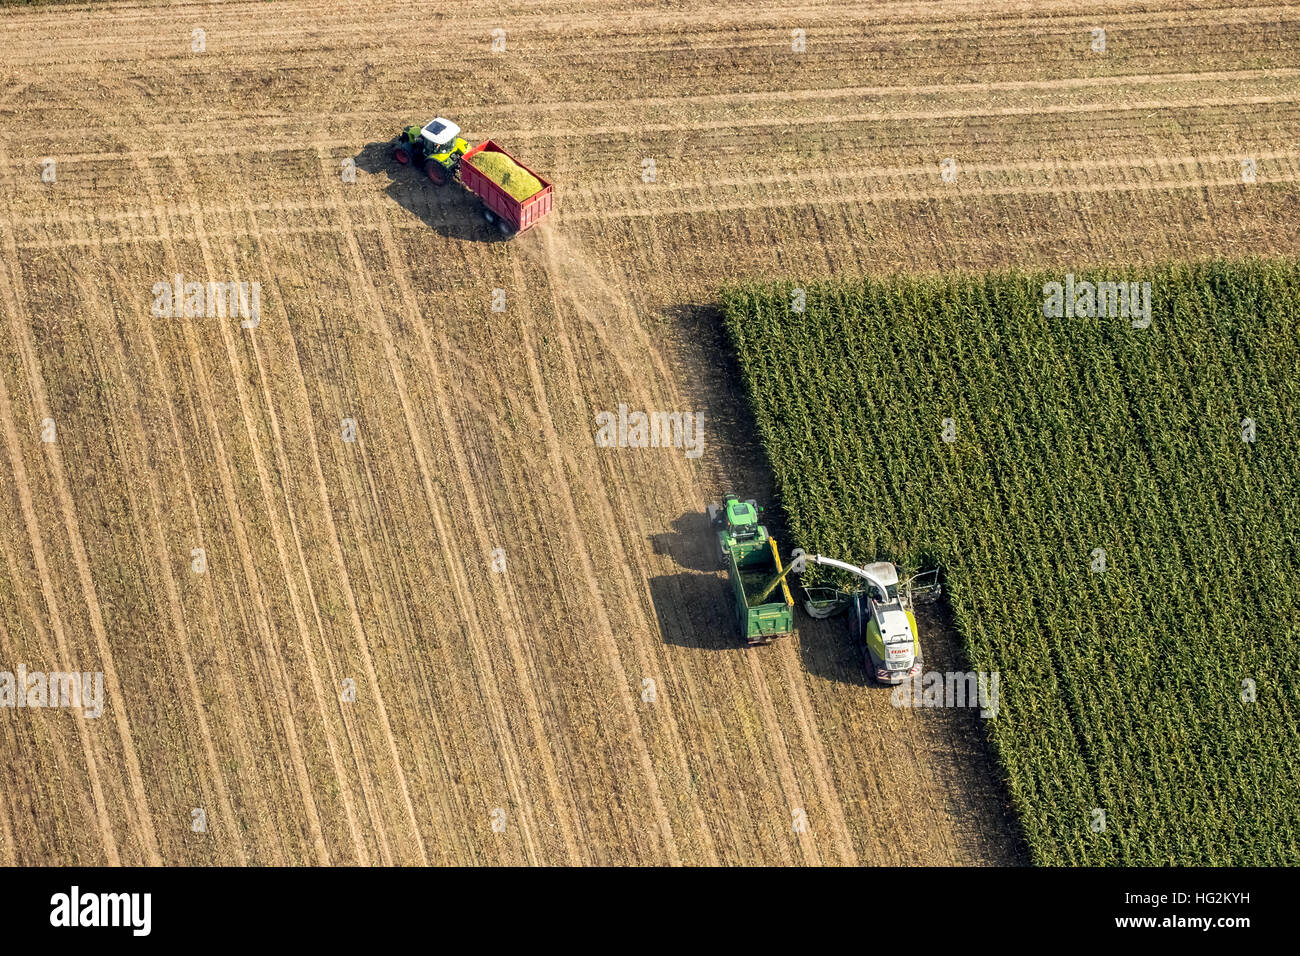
372,561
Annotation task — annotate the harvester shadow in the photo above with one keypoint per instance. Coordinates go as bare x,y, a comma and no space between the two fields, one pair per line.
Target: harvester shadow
448,210
827,649
694,610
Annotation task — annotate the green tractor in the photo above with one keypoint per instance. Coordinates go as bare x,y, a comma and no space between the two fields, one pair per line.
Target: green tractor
753,565
436,147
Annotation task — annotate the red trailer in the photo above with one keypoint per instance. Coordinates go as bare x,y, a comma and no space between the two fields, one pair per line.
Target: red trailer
510,214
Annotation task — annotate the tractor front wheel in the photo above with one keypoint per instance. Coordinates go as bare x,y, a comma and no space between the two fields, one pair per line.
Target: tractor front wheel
403,155
436,172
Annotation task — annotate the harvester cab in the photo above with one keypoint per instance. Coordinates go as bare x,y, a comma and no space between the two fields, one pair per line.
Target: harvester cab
883,582
437,146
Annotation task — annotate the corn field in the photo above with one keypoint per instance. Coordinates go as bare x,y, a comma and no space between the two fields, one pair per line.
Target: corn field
1114,510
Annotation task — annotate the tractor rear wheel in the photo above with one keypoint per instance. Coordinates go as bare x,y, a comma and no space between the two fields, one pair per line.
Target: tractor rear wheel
403,155
434,170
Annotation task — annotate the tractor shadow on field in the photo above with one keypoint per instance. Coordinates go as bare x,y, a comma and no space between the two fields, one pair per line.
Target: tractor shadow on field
692,545
450,210
694,610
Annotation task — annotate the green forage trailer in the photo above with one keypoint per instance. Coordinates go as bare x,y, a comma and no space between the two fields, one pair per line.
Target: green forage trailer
764,607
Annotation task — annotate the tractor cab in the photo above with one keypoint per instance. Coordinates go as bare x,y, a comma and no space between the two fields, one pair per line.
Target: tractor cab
439,134
436,146
443,143
742,519
738,529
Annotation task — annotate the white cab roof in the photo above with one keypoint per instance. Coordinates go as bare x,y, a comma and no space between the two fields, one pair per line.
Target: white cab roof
884,572
440,132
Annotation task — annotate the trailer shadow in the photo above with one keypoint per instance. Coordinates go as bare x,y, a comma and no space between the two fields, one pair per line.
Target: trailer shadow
450,210
694,610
